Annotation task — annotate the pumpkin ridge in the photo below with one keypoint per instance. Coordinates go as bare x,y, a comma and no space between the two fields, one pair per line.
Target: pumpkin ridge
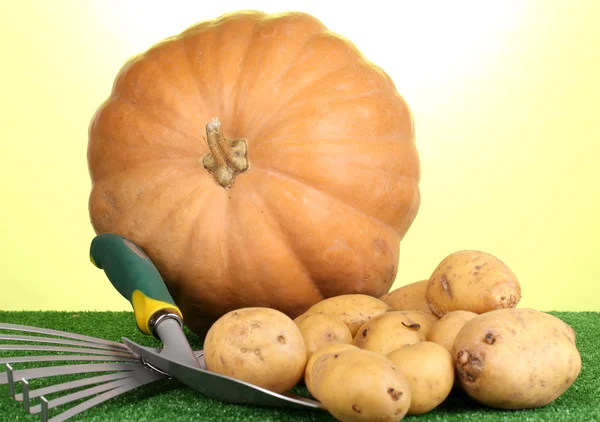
142,111
153,59
227,281
281,76
276,125
364,260
203,94
105,138
242,65
282,234
268,118
383,138
99,190
169,215
330,195
289,241
250,79
307,185
160,64
194,236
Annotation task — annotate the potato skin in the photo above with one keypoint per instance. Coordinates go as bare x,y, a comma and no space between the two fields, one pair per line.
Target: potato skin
321,330
387,332
262,346
426,321
353,309
410,297
308,372
516,358
429,369
473,281
445,330
358,385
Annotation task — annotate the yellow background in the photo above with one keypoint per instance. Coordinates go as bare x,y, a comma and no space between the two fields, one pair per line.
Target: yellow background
506,99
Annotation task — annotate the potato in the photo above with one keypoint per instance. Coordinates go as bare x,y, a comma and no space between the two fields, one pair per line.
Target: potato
425,320
261,346
516,358
308,372
410,297
320,330
471,281
429,369
387,332
353,309
445,330
359,385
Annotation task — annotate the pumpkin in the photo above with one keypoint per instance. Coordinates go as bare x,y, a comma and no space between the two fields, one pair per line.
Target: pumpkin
259,160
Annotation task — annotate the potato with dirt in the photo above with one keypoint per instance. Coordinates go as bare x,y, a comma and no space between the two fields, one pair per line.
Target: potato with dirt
387,332
261,346
516,358
353,309
474,281
322,330
360,386
429,369
410,297
445,330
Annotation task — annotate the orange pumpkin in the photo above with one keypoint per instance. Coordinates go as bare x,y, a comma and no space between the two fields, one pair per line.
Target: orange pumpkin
260,160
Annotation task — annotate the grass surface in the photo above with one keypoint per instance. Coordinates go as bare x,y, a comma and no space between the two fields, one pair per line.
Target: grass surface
170,401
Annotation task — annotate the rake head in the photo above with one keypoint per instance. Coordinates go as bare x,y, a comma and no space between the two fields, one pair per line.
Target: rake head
115,370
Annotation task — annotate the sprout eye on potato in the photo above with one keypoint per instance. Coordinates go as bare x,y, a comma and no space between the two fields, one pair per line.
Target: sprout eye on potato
387,332
321,330
425,320
473,281
357,385
316,355
353,309
516,358
429,369
261,346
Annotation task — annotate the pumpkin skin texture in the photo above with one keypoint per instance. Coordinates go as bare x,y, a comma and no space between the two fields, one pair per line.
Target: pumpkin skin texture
320,177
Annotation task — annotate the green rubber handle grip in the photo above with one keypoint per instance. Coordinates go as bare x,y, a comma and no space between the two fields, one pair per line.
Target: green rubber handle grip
134,276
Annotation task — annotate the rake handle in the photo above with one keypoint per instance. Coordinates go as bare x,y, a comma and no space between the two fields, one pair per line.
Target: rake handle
135,277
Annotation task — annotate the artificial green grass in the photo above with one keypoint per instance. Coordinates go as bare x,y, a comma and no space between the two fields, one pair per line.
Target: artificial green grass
168,400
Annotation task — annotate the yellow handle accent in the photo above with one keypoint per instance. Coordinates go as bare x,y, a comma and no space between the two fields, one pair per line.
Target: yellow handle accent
144,307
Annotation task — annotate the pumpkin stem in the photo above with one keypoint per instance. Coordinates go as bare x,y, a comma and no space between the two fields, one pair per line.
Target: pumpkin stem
227,158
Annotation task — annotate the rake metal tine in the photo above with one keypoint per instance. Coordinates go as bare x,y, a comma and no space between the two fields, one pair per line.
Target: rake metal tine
93,391
52,340
50,371
133,383
25,389
11,384
56,388
59,358
44,412
47,331
44,348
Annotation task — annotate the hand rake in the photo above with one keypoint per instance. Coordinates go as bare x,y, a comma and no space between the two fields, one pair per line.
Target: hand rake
121,367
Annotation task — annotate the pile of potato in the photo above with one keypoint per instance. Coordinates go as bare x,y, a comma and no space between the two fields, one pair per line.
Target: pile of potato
380,359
